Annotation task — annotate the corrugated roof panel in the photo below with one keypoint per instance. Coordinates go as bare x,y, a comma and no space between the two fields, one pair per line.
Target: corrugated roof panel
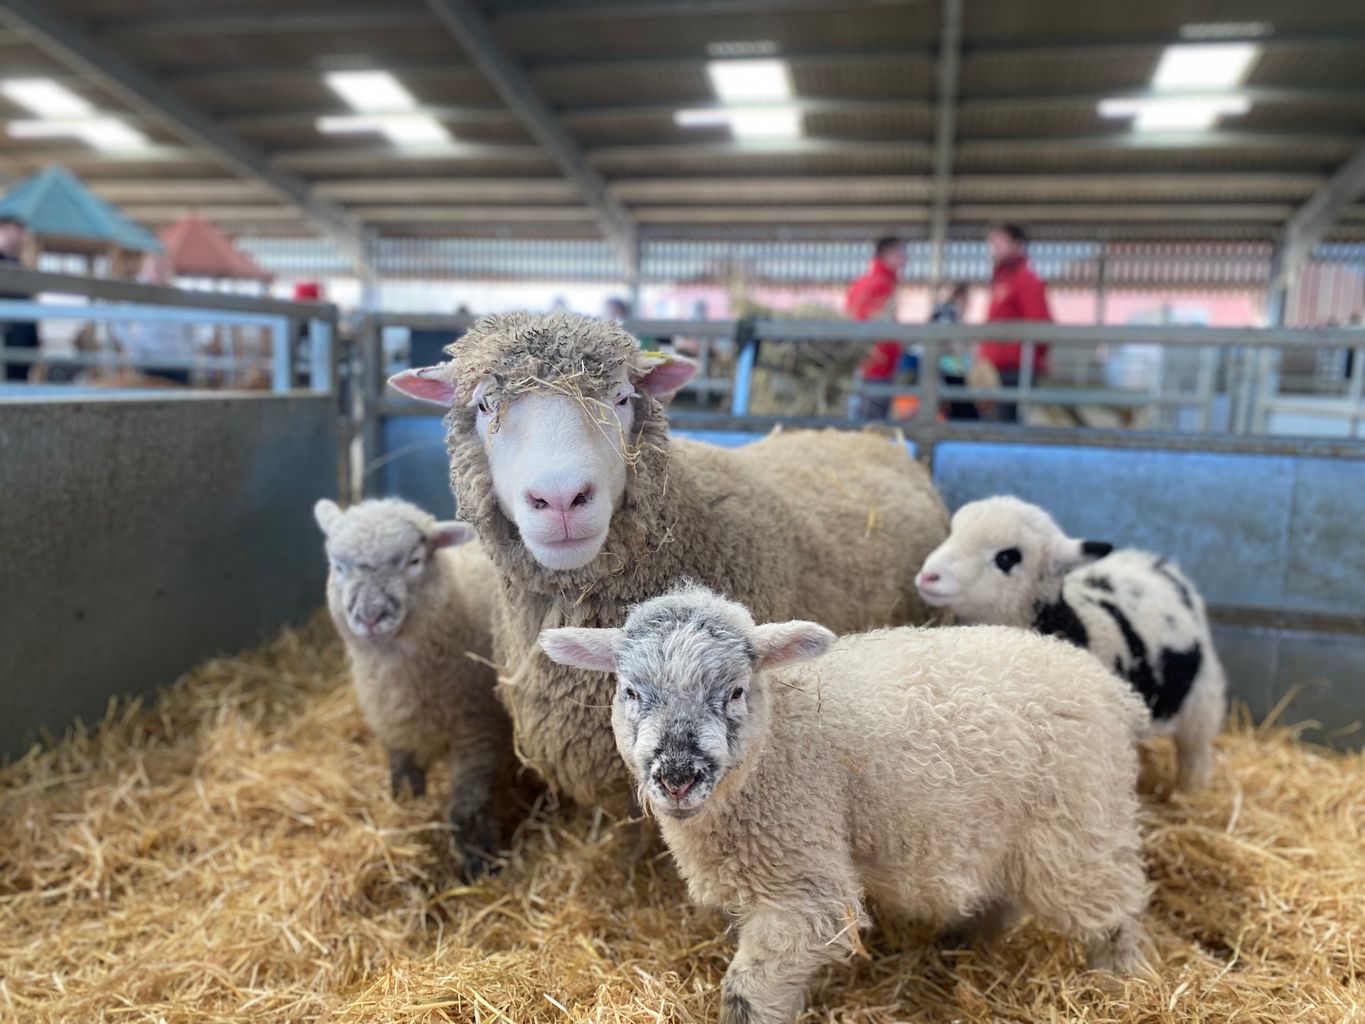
644,163
1009,19
1313,158
1134,188
1317,65
567,86
568,33
380,43
1008,75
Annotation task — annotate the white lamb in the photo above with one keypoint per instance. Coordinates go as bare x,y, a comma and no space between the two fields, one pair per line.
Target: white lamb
960,775
1007,563
412,607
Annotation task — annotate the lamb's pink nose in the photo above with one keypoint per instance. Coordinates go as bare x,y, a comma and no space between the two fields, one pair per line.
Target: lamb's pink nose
561,500
677,791
371,620
929,577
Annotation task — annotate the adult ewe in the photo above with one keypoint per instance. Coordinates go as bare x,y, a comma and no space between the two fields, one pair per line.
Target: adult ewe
965,774
1008,563
561,459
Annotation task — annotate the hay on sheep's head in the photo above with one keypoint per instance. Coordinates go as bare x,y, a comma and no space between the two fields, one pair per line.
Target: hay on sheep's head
576,357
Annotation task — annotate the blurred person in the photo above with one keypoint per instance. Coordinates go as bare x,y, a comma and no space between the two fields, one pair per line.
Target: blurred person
617,309
148,341
951,308
15,333
1017,293
871,297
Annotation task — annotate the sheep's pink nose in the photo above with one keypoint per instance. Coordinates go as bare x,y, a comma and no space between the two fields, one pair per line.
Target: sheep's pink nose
929,577
371,620
561,500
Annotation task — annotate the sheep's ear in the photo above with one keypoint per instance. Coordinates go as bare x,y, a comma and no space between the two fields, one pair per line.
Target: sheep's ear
1070,553
781,642
449,533
326,512
426,383
667,375
593,649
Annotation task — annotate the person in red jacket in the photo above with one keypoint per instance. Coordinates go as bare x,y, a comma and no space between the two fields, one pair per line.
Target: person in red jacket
1016,294
872,297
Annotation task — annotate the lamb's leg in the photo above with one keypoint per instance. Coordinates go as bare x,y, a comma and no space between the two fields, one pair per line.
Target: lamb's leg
476,835
1199,723
403,767
989,923
779,949
1119,951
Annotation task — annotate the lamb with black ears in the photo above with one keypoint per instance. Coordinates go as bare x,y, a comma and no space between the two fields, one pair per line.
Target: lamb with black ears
1007,562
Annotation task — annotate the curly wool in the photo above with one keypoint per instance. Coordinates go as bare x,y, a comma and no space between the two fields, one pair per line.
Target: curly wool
822,525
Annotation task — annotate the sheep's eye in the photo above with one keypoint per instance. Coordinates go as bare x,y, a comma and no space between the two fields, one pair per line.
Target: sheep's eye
624,400
737,693
1007,559
485,406
414,561
630,693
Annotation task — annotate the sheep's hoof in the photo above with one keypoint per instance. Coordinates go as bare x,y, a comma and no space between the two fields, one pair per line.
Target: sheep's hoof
735,1009
403,768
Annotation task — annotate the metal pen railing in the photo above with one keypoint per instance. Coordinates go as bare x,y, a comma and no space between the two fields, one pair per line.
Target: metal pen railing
1234,368
118,302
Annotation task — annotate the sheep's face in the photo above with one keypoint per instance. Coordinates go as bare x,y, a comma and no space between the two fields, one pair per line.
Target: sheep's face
558,464
379,556
1001,559
691,705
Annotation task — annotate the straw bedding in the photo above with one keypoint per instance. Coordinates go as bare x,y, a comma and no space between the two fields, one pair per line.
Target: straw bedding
229,853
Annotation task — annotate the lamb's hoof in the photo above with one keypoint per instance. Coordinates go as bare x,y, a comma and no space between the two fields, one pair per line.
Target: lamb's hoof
476,844
735,1009
1120,954
405,771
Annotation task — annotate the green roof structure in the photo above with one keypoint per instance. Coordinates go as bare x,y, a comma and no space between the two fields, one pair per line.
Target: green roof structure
55,203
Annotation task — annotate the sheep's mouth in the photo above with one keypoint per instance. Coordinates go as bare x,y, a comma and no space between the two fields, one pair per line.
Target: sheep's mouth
567,553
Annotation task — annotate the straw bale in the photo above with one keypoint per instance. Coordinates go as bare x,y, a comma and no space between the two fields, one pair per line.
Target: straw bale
229,852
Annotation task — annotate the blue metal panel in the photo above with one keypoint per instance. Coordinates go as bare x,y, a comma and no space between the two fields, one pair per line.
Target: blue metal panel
1325,569
414,467
1225,518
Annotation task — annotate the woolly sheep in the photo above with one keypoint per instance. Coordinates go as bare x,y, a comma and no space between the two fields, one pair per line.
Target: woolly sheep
959,776
1007,563
411,608
561,459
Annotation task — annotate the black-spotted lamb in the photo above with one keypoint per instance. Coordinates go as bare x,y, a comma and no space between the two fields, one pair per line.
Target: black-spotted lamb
412,605
960,776
1007,562
562,460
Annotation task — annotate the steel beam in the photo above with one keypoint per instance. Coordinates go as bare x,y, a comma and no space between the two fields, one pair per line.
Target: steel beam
1315,218
463,21
267,21
945,129
136,87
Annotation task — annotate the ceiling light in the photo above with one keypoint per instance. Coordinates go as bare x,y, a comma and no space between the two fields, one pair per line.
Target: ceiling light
742,81
400,129
744,122
100,132
1203,65
46,98
704,117
370,91
747,48
1171,115
1227,30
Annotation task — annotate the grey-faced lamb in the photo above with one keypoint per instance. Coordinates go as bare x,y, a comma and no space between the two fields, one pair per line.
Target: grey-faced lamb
961,775
412,605
561,458
1007,562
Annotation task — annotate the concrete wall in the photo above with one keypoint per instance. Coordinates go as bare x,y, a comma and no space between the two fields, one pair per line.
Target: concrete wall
139,536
